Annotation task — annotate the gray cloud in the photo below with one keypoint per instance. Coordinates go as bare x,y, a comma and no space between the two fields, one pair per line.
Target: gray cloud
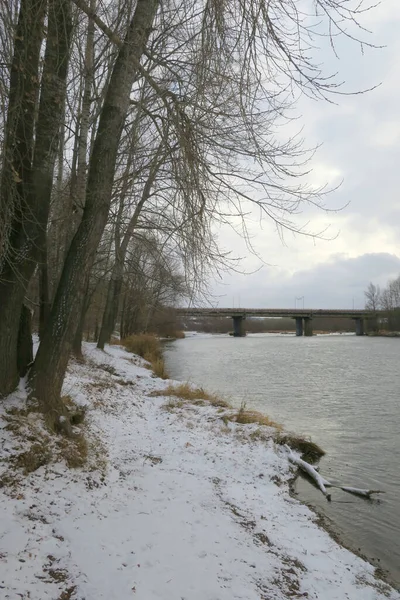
336,284
360,139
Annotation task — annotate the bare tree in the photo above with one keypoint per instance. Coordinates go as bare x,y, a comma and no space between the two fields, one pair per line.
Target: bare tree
220,76
52,357
372,297
29,156
153,281
390,304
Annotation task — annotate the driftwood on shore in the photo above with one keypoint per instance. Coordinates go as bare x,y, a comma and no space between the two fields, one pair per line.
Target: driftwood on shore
309,469
360,492
323,483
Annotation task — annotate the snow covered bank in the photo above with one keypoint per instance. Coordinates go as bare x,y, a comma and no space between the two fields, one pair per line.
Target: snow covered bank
182,506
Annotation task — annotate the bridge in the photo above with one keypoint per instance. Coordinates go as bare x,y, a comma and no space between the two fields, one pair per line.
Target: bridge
303,317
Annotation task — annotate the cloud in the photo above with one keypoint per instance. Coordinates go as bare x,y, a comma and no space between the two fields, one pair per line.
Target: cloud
359,139
338,283
387,134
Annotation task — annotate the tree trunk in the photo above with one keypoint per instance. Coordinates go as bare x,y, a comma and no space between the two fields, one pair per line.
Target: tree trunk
16,183
34,179
77,343
52,358
25,346
44,297
110,313
9,327
122,329
82,148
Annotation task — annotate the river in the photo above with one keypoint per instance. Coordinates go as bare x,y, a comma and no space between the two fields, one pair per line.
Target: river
343,391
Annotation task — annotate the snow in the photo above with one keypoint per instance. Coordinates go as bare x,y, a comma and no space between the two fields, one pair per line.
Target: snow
182,507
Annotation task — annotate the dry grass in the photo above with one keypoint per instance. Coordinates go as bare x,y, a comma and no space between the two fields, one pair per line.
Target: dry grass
100,384
148,347
37,456
192,395
172,405
178,335
29,432
42,445
145,345
158,368
74,450
109,369
171,334
310,451
246,417
260,435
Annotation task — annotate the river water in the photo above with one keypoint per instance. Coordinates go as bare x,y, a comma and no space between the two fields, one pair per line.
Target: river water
343,391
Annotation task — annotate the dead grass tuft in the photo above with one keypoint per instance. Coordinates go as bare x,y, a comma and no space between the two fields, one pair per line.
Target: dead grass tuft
247,417
176,334
44,445
74,450
148,347
310,451
124,382
159,369
192,395
145,345
259,435
172,405
68,593
108,368
101,384
154,460
225,430
38,455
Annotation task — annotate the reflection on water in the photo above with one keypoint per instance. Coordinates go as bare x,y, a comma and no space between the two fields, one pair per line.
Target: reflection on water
341,390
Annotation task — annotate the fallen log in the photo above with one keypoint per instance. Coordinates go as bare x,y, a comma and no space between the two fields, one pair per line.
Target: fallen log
360,492
324,483
309,469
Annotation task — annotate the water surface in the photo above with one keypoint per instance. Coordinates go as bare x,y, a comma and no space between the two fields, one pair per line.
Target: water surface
342,390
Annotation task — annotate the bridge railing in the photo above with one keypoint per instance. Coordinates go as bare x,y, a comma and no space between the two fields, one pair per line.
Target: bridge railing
277,312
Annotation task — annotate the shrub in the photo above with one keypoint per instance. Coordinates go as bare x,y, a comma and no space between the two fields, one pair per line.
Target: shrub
178,334
148,347
158,368
310,451
145,345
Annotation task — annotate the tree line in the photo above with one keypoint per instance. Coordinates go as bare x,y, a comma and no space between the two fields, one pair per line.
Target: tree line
130,131
386,300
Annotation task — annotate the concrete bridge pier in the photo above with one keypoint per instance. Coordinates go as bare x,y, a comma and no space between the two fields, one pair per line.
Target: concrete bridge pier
359,326
308,326
238,326
299,326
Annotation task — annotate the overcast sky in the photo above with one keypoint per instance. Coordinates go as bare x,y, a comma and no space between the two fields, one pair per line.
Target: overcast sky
360,140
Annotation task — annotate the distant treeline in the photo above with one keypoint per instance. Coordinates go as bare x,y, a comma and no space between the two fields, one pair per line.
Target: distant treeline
386,300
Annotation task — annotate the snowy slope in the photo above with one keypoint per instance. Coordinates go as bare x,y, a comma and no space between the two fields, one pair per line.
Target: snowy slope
185,508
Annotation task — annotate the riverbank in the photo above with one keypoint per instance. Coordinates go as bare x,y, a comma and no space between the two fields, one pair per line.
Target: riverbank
173,502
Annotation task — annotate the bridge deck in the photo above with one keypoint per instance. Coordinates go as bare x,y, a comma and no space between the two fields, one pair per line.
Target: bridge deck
275,312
